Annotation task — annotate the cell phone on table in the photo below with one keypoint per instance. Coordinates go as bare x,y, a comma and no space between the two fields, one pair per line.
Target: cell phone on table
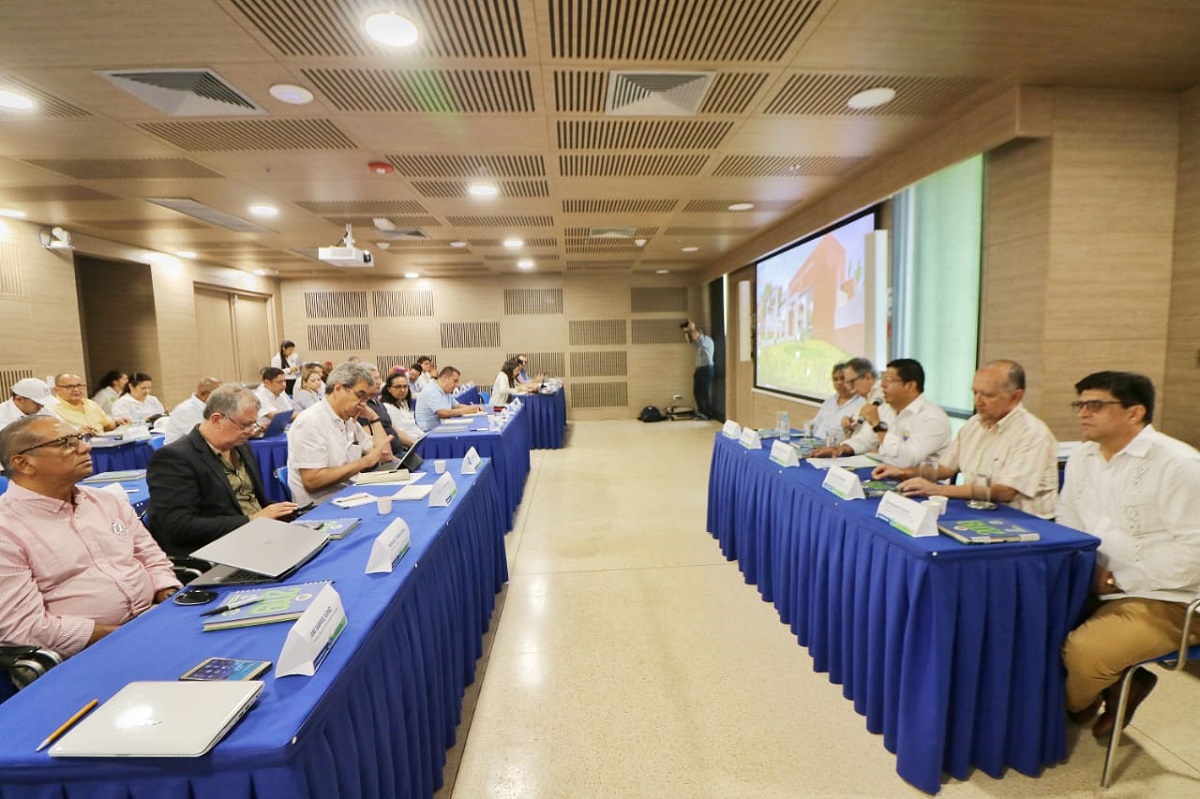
298,512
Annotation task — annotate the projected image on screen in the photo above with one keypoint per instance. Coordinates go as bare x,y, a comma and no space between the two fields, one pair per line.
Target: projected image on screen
812,310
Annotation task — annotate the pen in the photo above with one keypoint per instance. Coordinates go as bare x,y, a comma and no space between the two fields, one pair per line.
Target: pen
241,603
68,724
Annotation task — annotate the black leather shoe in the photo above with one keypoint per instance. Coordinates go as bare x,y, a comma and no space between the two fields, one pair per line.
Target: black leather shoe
1143,683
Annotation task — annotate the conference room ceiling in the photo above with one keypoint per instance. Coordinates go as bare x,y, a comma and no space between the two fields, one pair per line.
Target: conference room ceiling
601,123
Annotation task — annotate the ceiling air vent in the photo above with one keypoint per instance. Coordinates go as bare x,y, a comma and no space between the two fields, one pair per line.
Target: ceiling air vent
184,92
205,213
658,94
611,232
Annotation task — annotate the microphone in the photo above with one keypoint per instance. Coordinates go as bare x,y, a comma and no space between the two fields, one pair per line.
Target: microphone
878,402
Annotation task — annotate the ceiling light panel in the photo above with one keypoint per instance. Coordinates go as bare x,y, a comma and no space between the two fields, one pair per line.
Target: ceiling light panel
45,104
432,91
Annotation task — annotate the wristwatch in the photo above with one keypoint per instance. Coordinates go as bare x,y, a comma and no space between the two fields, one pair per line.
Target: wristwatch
880,428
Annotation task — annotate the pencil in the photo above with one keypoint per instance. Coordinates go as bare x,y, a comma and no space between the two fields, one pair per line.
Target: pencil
68,724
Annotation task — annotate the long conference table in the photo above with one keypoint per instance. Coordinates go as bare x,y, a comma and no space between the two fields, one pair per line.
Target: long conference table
950,650
374,721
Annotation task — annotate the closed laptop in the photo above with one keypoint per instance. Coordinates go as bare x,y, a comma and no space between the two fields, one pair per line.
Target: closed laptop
266,549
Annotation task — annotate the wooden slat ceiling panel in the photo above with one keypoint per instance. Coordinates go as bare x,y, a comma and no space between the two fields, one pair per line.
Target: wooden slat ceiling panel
784,166
600,166
428,91
40,194
618,206
658,134
363,207
48,105
469,166
251,134
825,94
125,168
402,222
458,188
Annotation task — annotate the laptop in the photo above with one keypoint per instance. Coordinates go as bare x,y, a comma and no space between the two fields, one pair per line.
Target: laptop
260,551
278,422
161,719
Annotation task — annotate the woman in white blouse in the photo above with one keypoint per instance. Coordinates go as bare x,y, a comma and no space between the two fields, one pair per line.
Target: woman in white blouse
111,386
137,403
396,403
287,359
311,388
506,383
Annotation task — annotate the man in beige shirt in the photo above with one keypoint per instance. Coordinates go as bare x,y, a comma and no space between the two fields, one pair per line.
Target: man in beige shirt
1003,441
74,407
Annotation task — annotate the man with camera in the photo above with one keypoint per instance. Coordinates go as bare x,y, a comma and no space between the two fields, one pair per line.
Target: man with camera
702,378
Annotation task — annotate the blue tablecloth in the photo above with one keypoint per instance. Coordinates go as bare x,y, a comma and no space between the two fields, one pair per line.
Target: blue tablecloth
271,454
951,651
375,720
126,455
469,396
547,418
509,450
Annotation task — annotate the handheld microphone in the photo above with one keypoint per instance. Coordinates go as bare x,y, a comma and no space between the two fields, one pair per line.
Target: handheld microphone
878,402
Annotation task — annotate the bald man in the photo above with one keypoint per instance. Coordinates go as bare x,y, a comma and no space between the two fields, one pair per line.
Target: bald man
190,412
74,407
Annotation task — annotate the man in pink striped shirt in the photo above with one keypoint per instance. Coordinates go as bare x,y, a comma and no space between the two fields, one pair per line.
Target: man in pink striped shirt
75,562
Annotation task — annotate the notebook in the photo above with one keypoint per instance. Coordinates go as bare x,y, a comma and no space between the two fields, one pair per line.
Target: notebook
260,551
278,422
160,719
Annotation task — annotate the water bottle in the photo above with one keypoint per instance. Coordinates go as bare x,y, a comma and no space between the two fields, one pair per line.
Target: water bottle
784,427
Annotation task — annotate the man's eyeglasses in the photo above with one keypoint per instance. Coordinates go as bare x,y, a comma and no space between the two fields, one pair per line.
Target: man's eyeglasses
71,442
1093,405
852,380
72,387
363,396
246,428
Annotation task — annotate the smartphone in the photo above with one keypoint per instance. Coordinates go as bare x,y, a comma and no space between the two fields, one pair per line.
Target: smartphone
298,512
194,596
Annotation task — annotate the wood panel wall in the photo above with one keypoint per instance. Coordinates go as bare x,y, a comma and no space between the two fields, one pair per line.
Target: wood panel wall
1177,411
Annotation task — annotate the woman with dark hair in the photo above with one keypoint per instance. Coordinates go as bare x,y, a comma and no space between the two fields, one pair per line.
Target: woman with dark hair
398,404
287,359
506,383
137,403
111,386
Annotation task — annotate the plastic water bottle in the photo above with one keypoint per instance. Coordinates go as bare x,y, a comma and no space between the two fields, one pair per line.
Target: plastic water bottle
784,427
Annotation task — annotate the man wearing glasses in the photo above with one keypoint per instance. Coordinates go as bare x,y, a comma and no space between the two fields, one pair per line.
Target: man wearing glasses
1138,491
859,376
207,483
326,444
75,562
74,407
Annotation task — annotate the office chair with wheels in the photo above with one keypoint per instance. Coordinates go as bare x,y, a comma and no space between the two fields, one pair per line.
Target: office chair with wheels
1175,660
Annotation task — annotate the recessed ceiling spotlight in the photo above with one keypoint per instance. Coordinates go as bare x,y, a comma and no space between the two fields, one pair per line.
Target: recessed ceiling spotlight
15,102
12,213
291,93
741,206
412,275
525,263
513,244
186,254
263,272
264,210
640,242
871,98
388,27
483,190
662,271
689,249
458,245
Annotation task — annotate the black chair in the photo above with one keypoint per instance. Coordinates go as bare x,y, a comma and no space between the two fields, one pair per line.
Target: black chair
24,664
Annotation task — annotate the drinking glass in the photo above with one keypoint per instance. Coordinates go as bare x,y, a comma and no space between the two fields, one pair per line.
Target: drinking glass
928,469
981,493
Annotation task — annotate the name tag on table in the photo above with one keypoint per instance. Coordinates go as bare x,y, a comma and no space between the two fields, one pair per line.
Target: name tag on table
470,462
312,636
516,404
389,547
907,515
444,490
842,483
784,454
750,439
731,429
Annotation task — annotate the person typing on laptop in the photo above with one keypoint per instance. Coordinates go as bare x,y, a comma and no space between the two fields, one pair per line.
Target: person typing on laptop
437,401
207,483
75,562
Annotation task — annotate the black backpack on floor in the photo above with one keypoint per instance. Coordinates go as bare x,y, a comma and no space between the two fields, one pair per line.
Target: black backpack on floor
650,414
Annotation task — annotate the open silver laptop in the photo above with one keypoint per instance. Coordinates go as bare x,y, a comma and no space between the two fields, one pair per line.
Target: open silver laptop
260,551
161,719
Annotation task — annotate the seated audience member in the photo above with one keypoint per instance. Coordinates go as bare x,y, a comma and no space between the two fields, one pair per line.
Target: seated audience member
272,398
286,359
523,373
1138,491
137,403
399,410
414,377
30,397
75,562
207,483
375,414
76,409
1002,440
310,388
841,404
190,412
111,386
505,386
326,445
436,402
426,376
906,428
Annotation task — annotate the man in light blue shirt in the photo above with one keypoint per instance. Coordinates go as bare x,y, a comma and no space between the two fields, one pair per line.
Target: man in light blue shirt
436,401
702,379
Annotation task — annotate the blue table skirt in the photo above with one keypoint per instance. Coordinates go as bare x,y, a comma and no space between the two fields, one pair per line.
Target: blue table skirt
375,720
951,651
469,396
508,449
547,418
126,455
271,454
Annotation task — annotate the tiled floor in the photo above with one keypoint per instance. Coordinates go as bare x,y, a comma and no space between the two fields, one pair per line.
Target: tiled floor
631,660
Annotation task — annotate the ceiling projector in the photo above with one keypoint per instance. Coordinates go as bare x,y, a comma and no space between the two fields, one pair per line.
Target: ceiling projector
345,254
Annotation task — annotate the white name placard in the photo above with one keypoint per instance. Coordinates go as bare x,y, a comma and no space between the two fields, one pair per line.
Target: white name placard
389,547
443,491
907,515
843,483
784,454
470,462
516,404
731,429
750,439
312,636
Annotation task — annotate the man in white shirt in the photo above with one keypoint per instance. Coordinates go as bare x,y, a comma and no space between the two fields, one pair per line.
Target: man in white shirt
272,395
1002,440
907,428
427,375
1138,491
190,412
326,445
30,397
861,378
437,402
